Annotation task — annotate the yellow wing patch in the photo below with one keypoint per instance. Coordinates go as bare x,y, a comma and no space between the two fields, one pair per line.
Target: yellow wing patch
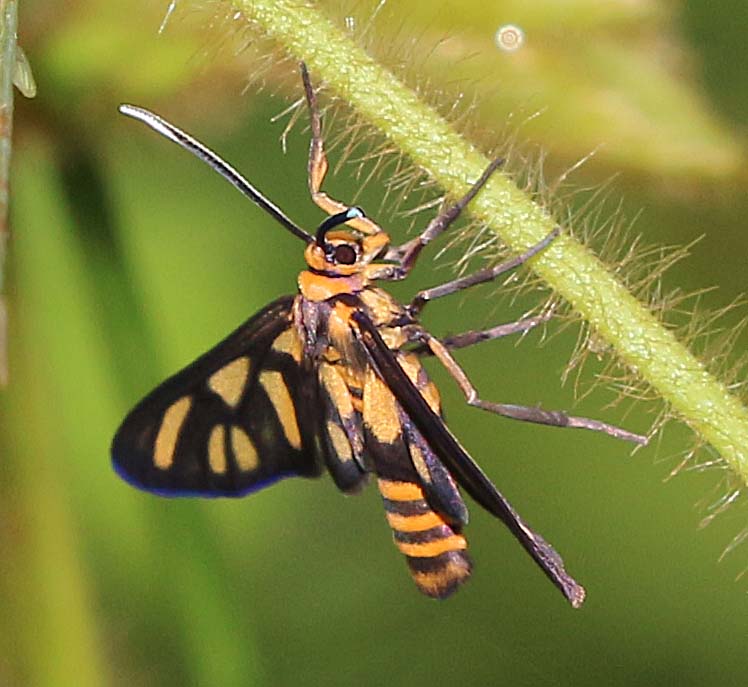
277,391
217,450
290,343
413,368
380,410
419,462
168,433
229,382
245,452
336,388
339,441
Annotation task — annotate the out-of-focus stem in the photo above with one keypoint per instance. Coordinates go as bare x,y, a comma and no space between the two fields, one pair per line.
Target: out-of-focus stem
8,21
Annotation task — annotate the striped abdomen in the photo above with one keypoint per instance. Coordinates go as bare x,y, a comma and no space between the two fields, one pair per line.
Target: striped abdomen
435,552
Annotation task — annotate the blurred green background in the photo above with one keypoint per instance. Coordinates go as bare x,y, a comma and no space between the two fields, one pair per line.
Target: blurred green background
129,258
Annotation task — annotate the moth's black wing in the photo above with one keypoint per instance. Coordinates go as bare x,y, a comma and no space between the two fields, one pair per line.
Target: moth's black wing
457,460
235,420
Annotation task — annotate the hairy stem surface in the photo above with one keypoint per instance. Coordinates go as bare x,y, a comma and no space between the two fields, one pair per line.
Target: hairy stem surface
639,340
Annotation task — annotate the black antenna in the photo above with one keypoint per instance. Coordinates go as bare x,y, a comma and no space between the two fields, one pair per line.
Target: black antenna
336,220
187,142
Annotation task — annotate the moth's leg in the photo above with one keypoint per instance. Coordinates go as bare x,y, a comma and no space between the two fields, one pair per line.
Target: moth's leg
525,413
476,336
480,277
407,254
317,168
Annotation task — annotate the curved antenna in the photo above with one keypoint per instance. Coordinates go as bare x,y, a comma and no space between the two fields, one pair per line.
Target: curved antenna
336,220
194,146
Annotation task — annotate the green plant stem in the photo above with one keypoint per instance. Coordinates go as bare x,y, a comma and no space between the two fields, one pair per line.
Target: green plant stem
8,22
639,340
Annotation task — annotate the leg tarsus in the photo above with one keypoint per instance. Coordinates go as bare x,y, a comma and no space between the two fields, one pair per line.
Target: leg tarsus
480,277
407,253
557,418
476,336
517,412
318,165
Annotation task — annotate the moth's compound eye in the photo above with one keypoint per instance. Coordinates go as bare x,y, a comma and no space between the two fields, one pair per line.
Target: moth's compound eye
345,254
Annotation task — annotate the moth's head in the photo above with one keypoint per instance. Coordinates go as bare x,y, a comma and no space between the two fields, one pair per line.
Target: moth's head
344,251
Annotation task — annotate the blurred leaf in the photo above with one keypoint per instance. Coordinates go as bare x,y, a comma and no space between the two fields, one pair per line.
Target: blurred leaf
97,48
612,74
57,623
